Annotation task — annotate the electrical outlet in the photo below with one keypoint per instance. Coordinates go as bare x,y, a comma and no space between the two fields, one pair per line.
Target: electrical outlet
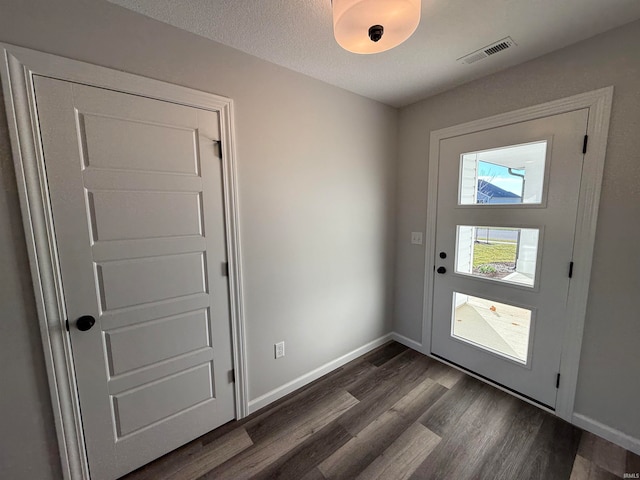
416,238
279,347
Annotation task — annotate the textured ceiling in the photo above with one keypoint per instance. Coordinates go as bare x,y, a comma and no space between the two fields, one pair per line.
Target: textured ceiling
298,34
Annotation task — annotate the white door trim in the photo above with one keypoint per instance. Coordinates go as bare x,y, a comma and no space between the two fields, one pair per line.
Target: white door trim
599,104
19,65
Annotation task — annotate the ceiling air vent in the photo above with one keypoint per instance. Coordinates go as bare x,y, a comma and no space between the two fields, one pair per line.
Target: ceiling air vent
487,51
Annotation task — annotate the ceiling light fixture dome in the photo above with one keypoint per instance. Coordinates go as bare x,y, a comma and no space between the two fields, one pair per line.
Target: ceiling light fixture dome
373,26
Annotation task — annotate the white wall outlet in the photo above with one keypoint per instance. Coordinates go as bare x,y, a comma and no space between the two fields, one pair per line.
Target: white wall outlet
279,347
416,238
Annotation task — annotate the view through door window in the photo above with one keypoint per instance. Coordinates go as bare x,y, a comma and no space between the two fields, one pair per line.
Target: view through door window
494,326
503,176
498,253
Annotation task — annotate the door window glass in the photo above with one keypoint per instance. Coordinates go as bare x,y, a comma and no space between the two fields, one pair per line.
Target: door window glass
503,176
498,253
493,326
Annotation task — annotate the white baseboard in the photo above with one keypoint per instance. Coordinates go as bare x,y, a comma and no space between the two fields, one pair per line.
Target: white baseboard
407,342
269,397
615,436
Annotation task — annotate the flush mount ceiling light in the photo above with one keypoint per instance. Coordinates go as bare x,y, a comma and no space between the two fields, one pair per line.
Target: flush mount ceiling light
372,26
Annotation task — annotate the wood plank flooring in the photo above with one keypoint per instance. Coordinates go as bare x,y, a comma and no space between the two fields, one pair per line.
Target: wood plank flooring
395,414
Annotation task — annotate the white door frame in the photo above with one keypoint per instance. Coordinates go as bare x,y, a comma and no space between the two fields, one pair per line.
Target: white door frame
599,104
19,65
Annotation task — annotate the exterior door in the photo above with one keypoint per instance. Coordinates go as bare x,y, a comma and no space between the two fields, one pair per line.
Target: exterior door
506,215
136,193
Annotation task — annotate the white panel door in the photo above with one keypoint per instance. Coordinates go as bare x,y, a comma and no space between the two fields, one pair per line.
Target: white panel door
136,193
506,216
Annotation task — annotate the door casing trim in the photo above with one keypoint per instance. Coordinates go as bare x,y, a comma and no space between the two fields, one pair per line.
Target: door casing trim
599,104
19,65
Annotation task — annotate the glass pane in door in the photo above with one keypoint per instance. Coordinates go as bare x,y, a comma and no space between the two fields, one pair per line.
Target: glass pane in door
493,326
503,176
498,253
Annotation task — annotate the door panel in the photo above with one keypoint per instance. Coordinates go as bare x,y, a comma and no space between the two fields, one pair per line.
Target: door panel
136,193
160,148
499,301
133,347
153,402
137,281
130,215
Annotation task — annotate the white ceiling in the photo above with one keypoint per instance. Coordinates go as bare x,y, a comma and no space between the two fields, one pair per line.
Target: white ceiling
298,34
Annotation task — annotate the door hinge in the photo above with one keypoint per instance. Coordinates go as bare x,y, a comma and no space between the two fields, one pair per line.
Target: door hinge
570,269
584,143
558,381
232,375
66,324
225,269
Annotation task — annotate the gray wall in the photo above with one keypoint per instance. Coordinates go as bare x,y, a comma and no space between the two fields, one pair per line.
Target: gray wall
316,180
609,381
26,421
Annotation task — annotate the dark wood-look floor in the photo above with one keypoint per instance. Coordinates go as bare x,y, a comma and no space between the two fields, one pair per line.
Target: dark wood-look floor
396,414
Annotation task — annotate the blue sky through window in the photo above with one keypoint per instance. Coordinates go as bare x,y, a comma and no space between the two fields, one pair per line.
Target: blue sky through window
500,177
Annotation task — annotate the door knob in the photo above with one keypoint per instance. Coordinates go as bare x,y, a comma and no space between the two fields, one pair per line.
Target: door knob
441,270
85,323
